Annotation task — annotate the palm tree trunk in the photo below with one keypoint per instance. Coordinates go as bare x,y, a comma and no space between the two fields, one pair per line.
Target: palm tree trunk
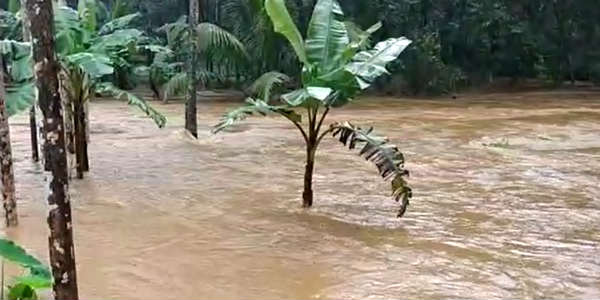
60,241
8,177
35,156
191,119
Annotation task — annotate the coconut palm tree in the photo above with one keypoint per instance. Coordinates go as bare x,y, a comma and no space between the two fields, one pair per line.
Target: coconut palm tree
219,57
334,72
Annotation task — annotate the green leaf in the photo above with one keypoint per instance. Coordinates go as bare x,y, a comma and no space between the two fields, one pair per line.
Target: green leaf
327,36
20,98
14,6
94,64
296,98
119,39
16,254
119,23
34,281
87,14
388,159
368,65
21,291
17,58
255,107
109,88
319,93
282,22
306,97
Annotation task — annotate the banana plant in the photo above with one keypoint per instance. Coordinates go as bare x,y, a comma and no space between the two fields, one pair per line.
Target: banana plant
335,70
88,58
89,61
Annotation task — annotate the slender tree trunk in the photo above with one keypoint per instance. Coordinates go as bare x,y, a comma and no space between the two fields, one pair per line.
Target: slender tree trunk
191,119
8,177
307,195
35,156
60,241
80,147
69,122
86,131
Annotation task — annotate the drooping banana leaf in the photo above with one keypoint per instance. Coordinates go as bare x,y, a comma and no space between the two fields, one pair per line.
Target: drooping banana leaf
16,254
387,157
132,99
254,107
327,36
95,65
370,64
306,97
17,56
283,23
20,98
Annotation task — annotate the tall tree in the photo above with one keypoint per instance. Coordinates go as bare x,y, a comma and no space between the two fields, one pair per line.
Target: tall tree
62,250
35,156
191,119
8,177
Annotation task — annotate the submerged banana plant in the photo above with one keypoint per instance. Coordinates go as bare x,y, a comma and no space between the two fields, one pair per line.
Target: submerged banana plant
336,68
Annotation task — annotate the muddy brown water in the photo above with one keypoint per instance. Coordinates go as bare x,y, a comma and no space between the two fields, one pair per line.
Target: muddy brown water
506,204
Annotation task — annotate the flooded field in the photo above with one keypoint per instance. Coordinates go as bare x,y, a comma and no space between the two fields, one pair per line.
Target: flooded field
506,204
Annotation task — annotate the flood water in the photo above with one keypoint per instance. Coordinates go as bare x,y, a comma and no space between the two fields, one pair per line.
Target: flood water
506,204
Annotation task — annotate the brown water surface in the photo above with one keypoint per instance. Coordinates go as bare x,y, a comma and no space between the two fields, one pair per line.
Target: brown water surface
506,204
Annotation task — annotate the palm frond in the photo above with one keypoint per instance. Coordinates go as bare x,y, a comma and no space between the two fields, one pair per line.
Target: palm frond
212,37
378,150
132,99
264,85
176,85
254,107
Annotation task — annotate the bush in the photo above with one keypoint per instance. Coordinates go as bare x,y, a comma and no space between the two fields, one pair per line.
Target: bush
423,71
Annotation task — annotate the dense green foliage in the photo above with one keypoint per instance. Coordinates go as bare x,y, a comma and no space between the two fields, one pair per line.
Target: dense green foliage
456,42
